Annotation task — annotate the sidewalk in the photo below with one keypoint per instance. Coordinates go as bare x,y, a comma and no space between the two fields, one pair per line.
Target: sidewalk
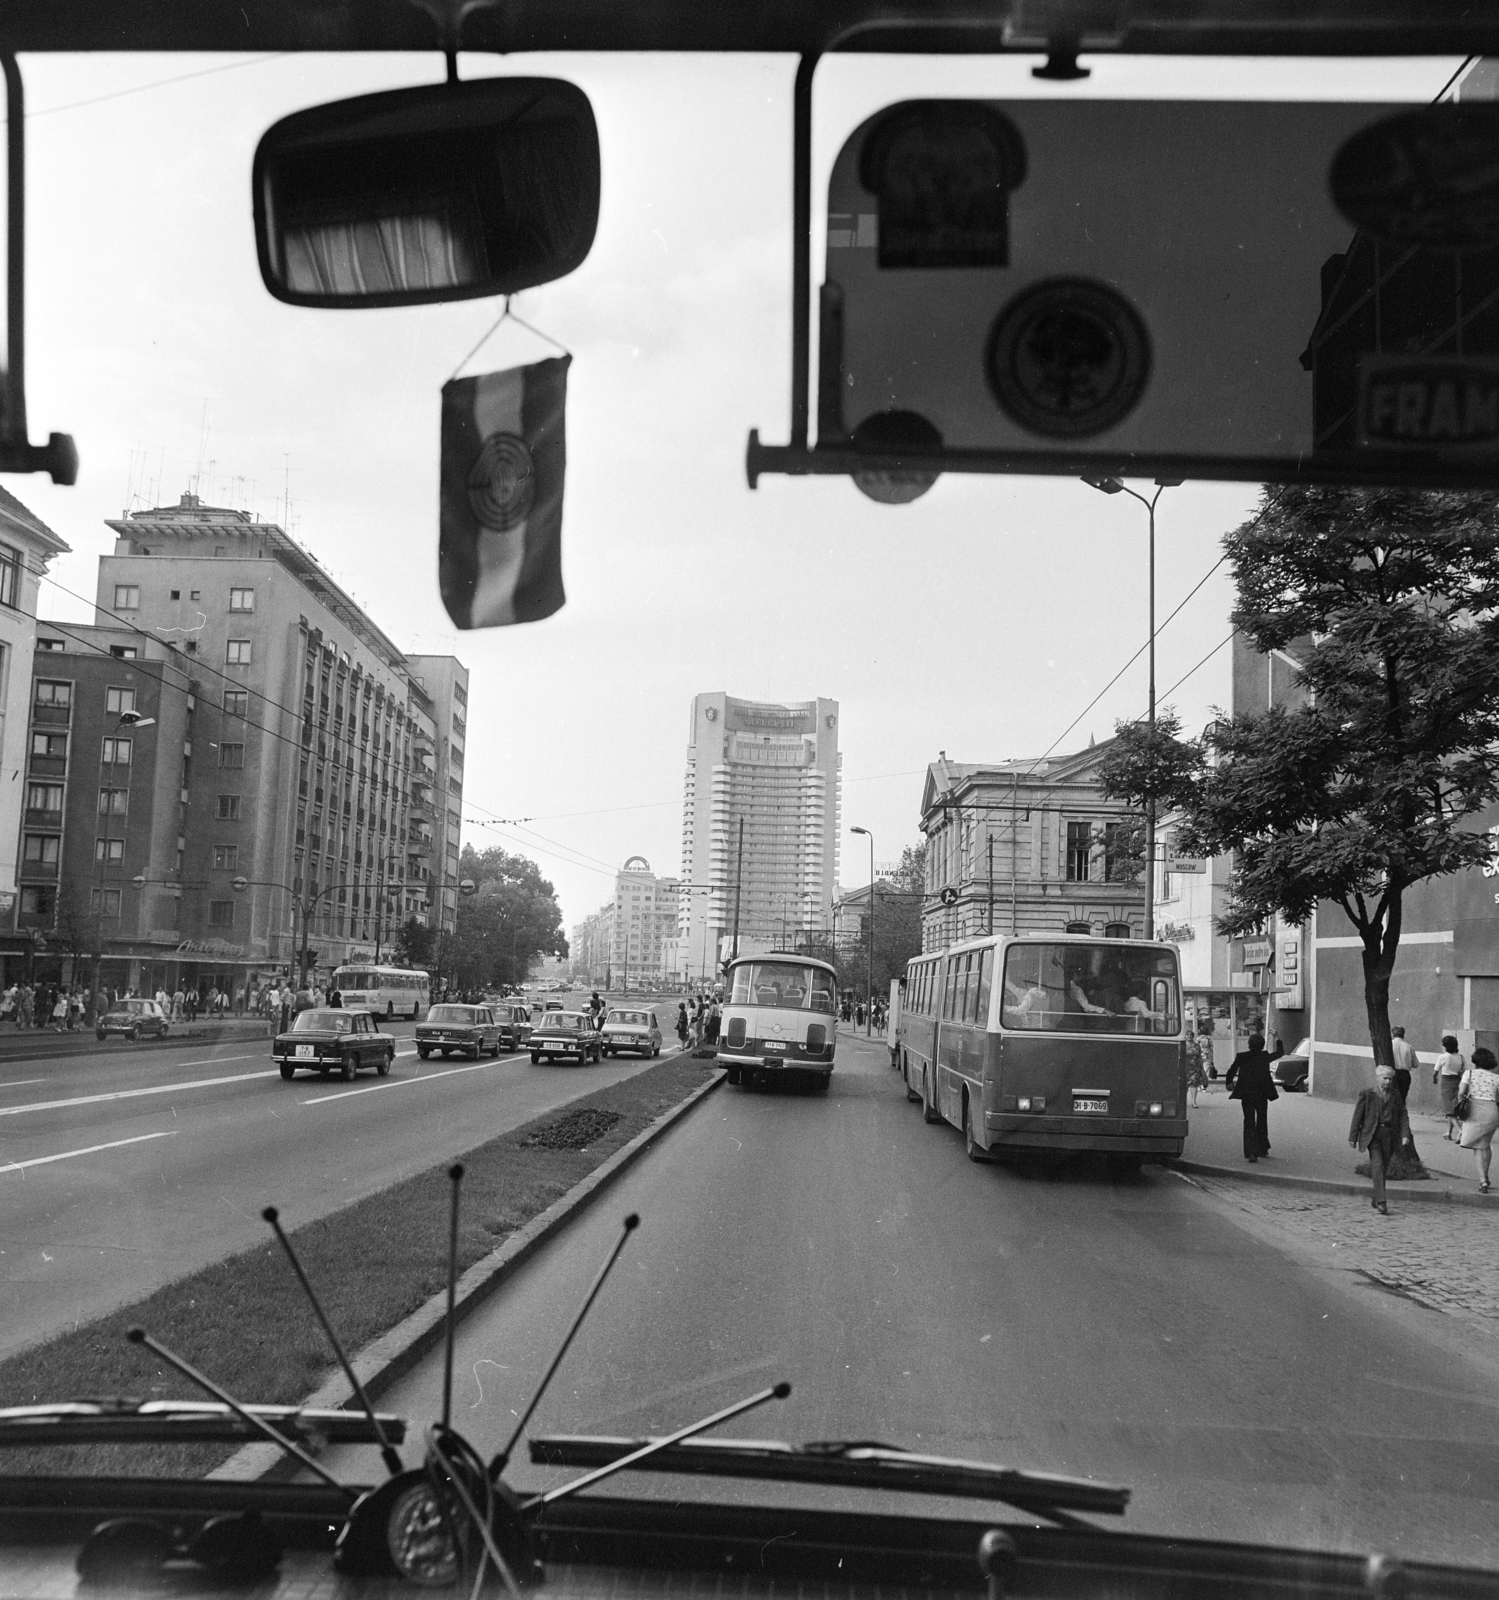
1309,1150
20,1044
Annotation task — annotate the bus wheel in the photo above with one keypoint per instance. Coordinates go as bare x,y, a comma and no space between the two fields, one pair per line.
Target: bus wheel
905,1073
821,1085
929,1112
976,1151
734,1077
390,1008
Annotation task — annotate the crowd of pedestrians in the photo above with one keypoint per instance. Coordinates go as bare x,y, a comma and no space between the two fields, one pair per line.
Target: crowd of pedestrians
66,1007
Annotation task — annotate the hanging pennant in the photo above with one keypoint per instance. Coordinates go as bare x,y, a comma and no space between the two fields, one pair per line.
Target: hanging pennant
504,456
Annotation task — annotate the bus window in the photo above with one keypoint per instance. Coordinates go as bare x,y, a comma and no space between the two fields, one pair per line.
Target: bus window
965,989
1091,988
986,973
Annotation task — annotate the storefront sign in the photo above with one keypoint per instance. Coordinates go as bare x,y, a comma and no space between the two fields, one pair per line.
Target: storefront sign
209,947
1258,952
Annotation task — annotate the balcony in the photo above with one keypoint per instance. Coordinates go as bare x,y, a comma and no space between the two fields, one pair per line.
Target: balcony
419,845
48,766
51,716
38,872
44,819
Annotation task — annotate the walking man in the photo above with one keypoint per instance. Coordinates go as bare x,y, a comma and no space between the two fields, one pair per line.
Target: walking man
1254,1089
1381,1125
1405,1061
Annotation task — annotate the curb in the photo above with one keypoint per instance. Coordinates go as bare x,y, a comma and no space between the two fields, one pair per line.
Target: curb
394,1354
1434,1196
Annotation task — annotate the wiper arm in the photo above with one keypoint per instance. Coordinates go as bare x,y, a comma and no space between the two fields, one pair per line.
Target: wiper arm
854,1463
122,1420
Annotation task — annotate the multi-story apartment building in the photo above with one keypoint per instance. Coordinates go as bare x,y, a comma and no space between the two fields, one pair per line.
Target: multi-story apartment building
293,742
27,544
445,680
766,774
1025,846
630,940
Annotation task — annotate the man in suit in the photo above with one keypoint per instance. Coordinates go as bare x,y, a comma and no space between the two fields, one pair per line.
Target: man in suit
1252,1086
1381,1125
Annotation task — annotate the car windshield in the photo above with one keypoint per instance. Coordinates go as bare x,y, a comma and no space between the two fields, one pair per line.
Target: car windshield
453,1014
810,715
323,1022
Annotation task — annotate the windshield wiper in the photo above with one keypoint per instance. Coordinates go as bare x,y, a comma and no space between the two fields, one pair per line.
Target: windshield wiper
122,1420
854,1463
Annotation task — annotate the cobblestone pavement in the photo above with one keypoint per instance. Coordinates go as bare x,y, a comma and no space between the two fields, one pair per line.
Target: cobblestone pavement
1442,1257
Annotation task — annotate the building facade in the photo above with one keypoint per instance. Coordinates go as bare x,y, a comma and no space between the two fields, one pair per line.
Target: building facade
440,802
274,800
1026,846
630,941
761,810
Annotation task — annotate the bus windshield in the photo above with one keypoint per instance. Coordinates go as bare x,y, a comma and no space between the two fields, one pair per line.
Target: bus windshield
353,980
1079,988
784,984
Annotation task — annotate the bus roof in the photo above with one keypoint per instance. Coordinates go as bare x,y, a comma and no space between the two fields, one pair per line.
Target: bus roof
785,956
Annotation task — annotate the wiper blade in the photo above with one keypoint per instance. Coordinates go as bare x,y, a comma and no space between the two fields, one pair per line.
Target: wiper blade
122,1420
853,1463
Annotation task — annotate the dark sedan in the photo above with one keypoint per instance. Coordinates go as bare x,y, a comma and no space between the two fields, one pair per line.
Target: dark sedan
136,1019
470,1030
328,1040
566,1036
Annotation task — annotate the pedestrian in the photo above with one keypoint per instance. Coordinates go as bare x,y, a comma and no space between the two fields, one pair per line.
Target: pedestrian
682,1023
1197,1077
335,1000
1254,1089
1446,1075
24,1003
60,1011
1381,1125
1479,1086
710,1028
1405,1061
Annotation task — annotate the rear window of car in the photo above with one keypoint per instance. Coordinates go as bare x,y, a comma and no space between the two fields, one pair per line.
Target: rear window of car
453,1014
323,1022
635,1019
566,1021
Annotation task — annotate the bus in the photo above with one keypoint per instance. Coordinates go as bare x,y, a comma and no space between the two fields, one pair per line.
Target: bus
1055,1042
387,991
779,1022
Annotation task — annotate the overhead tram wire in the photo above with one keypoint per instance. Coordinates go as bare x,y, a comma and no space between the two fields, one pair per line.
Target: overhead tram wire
156,83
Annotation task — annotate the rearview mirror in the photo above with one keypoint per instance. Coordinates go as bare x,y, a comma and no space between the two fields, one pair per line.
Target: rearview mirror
1255,291
419,195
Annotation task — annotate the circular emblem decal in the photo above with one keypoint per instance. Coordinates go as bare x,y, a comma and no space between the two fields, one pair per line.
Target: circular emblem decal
502,482
1068,358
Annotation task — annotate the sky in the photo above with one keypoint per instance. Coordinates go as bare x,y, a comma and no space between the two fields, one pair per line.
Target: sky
994,618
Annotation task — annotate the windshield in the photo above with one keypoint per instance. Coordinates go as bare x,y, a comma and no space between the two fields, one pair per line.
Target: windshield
790,745
782,983
323,1022
453,1014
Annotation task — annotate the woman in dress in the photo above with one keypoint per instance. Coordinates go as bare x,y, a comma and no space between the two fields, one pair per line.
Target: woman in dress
1446,1075
1481,1084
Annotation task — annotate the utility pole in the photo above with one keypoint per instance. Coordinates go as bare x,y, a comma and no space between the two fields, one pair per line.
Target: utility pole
989,839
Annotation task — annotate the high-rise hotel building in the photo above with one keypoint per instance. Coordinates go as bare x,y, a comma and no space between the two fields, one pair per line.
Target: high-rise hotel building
775,768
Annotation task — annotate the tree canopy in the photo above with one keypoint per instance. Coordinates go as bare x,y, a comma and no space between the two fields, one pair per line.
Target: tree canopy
512,917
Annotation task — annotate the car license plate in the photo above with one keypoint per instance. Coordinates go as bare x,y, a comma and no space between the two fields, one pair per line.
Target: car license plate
1091,1105
774,1044
306,1050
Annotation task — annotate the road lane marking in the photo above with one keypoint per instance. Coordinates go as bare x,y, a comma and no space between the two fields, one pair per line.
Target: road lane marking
402,1083
132,1094
20,1083
93,1149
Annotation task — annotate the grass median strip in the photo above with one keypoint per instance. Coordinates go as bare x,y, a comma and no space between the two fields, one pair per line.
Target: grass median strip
244,1321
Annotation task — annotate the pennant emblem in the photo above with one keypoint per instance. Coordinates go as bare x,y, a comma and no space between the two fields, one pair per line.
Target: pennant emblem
504,457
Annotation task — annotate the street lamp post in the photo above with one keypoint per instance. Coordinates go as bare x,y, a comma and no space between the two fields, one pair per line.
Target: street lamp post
1115,486
869,971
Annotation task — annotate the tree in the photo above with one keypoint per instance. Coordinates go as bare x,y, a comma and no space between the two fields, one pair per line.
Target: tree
1390,601
414,945
1145,765
512,917
77,931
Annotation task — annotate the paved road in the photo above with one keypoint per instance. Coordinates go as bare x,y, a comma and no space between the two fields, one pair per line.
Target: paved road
1138,1330
125,1168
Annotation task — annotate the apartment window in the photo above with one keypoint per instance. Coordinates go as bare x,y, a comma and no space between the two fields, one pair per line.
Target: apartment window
237,653
241,599
116,752
38,900
228,808
104,902
221,913
114,802
118,701
236,702
226,857
44,797
231,755
127,597
10,576
1079,851
49,744
52,694
51,644
109,849
42,847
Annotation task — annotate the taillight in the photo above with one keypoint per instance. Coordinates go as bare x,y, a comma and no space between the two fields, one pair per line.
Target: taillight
817,1038
736,1030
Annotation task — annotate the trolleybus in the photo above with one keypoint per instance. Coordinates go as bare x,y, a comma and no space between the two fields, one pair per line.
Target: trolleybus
1059,1042
387,991
779,1021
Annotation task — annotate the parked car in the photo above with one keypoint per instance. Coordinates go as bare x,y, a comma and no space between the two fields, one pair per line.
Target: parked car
470,1030
327,1039
566,1036
136,1019
1293,1070
632,1030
